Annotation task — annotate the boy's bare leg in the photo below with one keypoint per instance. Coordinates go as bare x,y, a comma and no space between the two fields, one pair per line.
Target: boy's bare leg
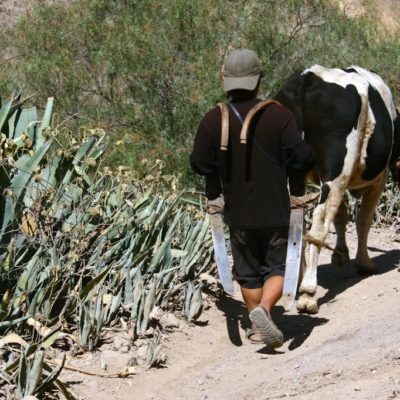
252,297
267,296
272,292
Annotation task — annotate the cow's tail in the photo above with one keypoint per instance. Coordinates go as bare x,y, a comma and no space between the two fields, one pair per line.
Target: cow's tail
365,126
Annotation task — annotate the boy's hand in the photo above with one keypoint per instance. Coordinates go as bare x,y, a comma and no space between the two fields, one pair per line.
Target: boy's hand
215,206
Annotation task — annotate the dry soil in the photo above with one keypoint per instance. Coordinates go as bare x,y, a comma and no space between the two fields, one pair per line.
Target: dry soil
349,350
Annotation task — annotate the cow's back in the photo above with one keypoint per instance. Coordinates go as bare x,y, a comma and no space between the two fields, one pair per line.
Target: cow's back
346,115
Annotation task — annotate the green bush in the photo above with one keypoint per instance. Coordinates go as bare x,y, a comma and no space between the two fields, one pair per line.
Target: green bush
147,71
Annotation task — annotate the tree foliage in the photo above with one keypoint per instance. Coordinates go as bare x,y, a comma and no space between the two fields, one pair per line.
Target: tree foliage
149,70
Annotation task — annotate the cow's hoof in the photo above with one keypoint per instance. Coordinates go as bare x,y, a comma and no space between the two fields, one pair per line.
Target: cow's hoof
307,304
364,270
364,266
340,260
307,287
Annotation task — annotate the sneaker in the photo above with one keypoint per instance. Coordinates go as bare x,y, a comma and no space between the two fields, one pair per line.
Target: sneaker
270,333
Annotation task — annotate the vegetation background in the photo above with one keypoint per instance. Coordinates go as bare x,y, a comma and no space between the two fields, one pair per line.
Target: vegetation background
148,70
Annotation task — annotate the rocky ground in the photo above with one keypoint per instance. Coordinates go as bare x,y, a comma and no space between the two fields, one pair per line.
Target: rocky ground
349,350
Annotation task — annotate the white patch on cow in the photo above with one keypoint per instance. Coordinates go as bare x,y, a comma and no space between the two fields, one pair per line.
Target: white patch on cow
360,80
377,82
369,130
352,146
340,77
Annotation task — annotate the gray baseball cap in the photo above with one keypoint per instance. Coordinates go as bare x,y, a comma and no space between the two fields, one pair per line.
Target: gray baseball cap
241,70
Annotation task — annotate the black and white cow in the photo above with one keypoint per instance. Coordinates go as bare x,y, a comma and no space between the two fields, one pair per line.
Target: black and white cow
348,116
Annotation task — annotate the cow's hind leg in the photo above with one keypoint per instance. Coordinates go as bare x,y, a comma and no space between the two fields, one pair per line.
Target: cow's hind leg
341,257
331,198
369,202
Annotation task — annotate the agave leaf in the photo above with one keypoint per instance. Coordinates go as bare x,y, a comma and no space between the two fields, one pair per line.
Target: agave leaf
139,316
188,298
129,295
84,149
4,110
149,304
178,253
159,255
47,113
143,200
196,304
60,385
37,300
88,290
35,373
166,213
153,351
99,148
26,117
45,124
22,375
189,243
23,280
84,326
115,305
13,322
64,390
177,218
138,292
53,375
13,366
18,184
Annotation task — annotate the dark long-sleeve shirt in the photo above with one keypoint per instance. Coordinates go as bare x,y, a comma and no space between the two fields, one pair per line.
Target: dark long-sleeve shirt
252,176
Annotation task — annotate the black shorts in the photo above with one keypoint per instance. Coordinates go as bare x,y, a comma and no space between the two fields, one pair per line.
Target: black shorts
258,254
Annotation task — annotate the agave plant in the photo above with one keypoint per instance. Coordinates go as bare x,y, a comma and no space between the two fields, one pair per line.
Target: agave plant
85,245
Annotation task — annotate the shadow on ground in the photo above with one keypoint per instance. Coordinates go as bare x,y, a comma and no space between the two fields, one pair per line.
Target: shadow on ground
237,317
337,280
298,327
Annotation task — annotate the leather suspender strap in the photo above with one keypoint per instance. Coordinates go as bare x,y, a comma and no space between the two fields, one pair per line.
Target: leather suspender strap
245,124
239,117
224,126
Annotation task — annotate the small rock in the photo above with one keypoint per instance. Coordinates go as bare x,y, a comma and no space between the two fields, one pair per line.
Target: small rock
169,321
200,382
357,389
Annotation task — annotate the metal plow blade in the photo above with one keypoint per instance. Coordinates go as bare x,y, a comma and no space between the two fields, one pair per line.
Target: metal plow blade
293,257
221,255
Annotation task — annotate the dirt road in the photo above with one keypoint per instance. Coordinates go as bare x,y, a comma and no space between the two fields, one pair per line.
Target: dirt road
349,350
